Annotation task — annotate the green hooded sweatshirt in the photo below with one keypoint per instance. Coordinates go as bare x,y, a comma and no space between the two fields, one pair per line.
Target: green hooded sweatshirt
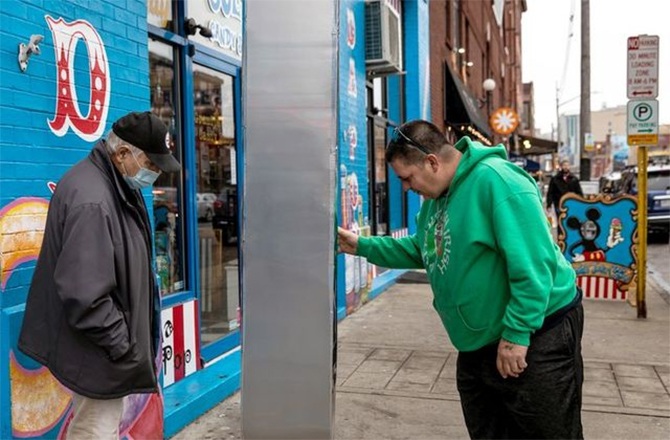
486,245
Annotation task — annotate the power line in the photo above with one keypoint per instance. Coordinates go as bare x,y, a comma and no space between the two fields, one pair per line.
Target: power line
567,49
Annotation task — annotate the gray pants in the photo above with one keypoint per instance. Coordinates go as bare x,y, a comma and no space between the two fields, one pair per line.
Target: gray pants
543,402
95,419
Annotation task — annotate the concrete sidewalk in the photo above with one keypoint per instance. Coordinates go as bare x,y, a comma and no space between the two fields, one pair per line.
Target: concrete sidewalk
396,373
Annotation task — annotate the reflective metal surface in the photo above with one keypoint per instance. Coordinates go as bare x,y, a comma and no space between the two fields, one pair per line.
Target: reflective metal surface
288,323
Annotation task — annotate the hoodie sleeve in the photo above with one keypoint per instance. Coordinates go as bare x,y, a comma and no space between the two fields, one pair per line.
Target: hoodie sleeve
394,253
85,276
524,240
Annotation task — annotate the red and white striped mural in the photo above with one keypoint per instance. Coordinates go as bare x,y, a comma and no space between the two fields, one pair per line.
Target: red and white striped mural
181,351
600,288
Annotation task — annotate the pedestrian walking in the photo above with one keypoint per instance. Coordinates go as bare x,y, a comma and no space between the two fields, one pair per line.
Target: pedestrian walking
503,290
92,315
563,182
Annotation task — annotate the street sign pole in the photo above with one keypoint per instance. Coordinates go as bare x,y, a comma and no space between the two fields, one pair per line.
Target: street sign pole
642,160
642,89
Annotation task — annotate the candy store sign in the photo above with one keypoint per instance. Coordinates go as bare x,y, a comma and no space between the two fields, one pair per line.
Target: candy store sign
224,19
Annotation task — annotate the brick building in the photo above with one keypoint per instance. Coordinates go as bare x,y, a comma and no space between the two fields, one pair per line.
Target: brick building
471,42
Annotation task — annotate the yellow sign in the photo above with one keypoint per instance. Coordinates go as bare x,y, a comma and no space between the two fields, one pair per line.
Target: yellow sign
504,120
588,142
643,139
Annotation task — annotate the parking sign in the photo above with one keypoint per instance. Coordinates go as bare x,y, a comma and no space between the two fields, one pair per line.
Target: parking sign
643,67
643,122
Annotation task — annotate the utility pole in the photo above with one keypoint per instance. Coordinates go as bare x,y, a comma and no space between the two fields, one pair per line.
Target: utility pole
585,102
558,120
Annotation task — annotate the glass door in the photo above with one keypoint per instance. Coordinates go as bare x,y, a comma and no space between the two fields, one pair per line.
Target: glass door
217,201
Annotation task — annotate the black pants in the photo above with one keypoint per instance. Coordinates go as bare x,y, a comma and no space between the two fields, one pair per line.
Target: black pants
545,401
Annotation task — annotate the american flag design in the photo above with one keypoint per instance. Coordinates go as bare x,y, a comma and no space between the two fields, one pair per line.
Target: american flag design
600,288
181,351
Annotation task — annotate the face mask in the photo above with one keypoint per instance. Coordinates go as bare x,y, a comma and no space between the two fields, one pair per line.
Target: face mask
142,179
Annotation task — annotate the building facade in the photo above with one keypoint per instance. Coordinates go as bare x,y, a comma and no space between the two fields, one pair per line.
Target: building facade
473,42
183,61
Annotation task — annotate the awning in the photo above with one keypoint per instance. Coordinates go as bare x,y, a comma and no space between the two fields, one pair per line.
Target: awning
532,146
461,106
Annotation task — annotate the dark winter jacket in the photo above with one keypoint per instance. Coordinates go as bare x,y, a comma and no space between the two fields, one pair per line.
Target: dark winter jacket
560,185
89,314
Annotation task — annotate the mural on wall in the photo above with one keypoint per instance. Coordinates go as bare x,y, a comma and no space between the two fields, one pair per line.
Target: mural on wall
358,274
21,231
68,115
181,352
599,237
39,405
353,150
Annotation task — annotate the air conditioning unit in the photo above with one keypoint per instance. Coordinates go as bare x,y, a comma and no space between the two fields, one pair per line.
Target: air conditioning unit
383,44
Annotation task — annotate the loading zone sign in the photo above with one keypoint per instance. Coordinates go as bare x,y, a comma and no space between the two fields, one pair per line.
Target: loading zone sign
643,67
643,122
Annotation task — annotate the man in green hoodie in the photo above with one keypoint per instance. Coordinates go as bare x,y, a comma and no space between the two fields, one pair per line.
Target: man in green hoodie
506,295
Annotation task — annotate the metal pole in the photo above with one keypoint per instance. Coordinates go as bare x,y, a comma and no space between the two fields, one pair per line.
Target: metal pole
642,160
558,121
585,101
288,236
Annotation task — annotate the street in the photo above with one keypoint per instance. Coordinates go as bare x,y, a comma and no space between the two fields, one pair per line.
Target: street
658,267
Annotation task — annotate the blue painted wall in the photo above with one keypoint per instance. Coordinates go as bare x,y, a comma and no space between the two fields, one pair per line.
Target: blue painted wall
33,153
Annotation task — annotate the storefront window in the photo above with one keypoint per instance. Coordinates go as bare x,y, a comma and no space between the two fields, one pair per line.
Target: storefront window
217,202
167,191
159,13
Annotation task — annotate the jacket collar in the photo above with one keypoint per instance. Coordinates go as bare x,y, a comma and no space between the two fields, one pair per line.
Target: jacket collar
100,158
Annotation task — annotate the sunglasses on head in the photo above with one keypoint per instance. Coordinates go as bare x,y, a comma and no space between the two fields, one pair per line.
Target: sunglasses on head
397,134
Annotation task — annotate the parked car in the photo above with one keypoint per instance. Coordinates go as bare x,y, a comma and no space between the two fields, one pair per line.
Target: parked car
610,183
205,203
658,197
225,214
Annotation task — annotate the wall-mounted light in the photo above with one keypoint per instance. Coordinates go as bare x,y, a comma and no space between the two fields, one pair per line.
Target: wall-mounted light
191,27
459,50
468,63
489,85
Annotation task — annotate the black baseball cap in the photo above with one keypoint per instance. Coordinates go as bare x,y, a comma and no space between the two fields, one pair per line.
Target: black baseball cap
147,132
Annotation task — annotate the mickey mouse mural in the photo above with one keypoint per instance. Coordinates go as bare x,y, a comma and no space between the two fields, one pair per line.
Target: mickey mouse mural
589,230
598,236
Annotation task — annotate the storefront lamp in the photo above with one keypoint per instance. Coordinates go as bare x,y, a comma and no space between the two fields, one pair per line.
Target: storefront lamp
489,86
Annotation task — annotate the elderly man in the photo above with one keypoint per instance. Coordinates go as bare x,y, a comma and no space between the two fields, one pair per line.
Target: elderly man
92,313
504,291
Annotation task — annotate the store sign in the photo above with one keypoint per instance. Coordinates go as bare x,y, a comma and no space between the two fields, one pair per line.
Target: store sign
224,19
598,236
504,121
